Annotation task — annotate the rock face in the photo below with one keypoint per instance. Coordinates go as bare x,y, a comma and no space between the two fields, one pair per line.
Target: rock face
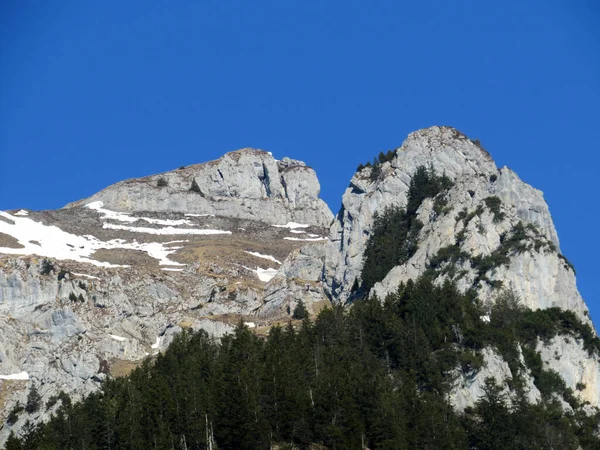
451,153
537,273
96,287
248,184
93,290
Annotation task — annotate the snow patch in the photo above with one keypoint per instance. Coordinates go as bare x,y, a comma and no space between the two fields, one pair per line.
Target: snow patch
15,376
170,269
156,344
163,231
292,225
260,255
265,274
108,214
52,242
126,217
166,221
22,212
305,239
117,338
297,231
250,324
85,275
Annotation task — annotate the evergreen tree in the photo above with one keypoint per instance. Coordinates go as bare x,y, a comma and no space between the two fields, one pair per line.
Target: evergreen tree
300,311
33,400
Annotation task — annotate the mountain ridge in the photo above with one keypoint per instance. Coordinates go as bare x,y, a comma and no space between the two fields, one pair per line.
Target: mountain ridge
270,217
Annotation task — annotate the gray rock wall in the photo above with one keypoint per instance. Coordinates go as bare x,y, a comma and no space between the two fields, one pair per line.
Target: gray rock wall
248,184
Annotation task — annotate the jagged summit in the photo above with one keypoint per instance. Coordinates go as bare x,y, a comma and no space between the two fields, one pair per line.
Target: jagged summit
247,184
448,152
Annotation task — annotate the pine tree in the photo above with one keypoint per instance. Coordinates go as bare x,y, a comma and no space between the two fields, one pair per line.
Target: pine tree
300,311
33,400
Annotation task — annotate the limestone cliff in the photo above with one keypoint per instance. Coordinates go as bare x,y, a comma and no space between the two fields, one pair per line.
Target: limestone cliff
472,220
247,184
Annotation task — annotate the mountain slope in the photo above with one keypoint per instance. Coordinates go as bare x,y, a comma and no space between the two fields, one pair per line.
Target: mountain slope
92,289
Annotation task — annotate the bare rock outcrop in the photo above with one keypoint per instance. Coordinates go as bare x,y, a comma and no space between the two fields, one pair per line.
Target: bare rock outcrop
247,184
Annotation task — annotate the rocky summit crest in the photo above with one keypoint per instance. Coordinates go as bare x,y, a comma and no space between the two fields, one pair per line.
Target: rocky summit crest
245,184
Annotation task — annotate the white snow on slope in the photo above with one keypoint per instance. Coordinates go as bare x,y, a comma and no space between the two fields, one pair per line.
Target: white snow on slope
170,269
157,343
117,338
260,255
22,212
166,221
305,239
85,275
15,376
265,274
58,244
126,217
292,225
108,214
199,215
163,231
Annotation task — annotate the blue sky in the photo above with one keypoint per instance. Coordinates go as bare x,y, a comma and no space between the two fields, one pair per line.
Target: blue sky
95,92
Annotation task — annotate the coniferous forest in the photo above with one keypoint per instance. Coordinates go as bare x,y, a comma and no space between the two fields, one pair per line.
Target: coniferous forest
375,375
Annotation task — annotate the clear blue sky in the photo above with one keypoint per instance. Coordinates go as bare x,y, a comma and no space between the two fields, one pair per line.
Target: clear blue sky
95,92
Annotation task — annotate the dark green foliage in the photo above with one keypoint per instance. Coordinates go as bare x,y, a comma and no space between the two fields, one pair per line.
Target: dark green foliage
425,183
516,241
494,204
477,142
162,182
568,263
13,443
375,172
439,204
493,178
380,159
355,286
392,242
376,165
300,311
395,232
33,400
466,217
51,402
62,274
46,267
13,415
73,297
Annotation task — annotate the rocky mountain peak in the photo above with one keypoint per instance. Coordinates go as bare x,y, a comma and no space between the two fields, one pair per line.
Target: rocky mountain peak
450,153
246,184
